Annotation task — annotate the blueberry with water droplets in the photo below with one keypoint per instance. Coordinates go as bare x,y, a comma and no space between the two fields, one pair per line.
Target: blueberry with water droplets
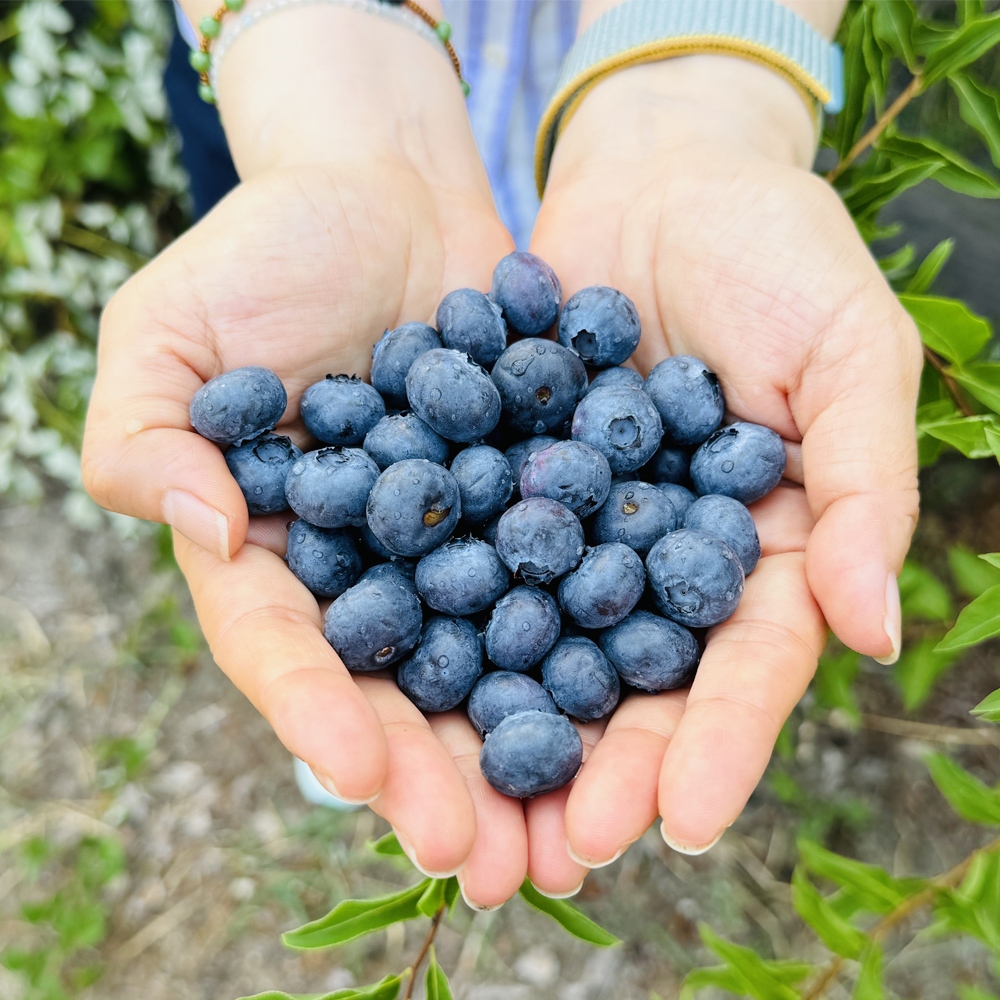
688,397
393,355
621,423
461,577
729,520
522,628
604,588
669,464
329,487
341,409
651,653
519,454
484,482
326,560
444,667
414,507
627,378
571,472
539,540
374,623
401,436
679,496
238,405
260,468
530,753
401,571
374,546
470,322
637,514
601,325
502,693
540,384
743,461
527,291
581,680
453,395
695,578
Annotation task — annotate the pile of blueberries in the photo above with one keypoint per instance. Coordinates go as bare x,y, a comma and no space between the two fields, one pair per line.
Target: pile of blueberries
486,495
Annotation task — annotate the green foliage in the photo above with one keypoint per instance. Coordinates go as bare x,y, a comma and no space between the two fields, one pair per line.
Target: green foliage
386,989
948,327
977,622
436,985
922,594
966,794
568,916
918,669
749,973
973,907
989,708
830,927
973,574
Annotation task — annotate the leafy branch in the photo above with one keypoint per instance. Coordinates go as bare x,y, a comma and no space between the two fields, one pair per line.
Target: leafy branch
424,948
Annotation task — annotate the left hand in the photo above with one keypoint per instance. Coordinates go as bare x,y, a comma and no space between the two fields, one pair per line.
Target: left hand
686,185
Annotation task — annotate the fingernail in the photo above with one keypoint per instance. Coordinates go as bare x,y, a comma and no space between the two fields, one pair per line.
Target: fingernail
412,855
689,849
580,860
892,621
478,907
197,522
562,895
328,783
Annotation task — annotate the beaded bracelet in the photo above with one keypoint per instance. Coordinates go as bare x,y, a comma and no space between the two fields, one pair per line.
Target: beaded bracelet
210,28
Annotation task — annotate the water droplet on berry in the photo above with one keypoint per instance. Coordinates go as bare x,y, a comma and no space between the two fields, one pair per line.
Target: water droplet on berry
443,660
435,393
727,466
526,626
258,490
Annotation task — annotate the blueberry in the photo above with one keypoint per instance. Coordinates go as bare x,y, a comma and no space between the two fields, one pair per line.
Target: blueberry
729,520
530,753
326,560
329,487
620,377
600,325
540,384
401,436
374,623
453,395
238,405
696,579
688,397
522,628
374,546
604,588
637,514
571,472
539,539
444,667
527,291
489,531
651,653
393,355
502,693
401,571
341,409
414,507
580,679
461,577
519,454
743,461
679,496
484,482
260,468
621,423
471,323
668,465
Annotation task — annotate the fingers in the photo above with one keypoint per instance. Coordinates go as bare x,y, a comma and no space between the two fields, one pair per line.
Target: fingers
265,632
498,863
783,520
754,669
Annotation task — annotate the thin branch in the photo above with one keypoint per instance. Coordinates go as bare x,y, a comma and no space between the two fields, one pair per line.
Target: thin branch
881,124
952,735
102,246
949,383
424,948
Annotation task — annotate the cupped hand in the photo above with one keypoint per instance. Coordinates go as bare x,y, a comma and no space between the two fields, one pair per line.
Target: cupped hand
707,216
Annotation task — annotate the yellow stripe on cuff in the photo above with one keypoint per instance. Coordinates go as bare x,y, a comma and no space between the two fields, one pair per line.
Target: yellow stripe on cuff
564,105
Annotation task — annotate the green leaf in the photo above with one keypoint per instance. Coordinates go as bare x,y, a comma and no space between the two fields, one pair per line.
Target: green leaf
451,893
922,594
388,845
749,969
834,678
964,46
917,671
966,794
975,993
930,267
868,985
969,9
874,888
993,440
956,172
977,622
979,107
386,989
433,898
993,558
876,62
569,916
973,574
832,929
896,263
973,907
857,88
724,977
436,984
967,434
892,23
982,380
947,326
356,917
869,194
988,708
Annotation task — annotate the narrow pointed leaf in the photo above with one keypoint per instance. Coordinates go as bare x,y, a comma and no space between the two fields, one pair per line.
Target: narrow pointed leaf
874,888
436,986
892,23
451,893
832,929
993,558
965,46
433,898
977,622
930,268
955,173
870,194
989,708
947,326
749,969
388,845
868,985
980,380
979,107
966,794
569,916
968,9
387,989
967,434
355,917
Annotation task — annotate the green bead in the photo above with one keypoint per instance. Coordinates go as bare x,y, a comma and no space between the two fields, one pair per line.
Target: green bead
200,61
206,93
210,28
443,30
234,4
466,89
